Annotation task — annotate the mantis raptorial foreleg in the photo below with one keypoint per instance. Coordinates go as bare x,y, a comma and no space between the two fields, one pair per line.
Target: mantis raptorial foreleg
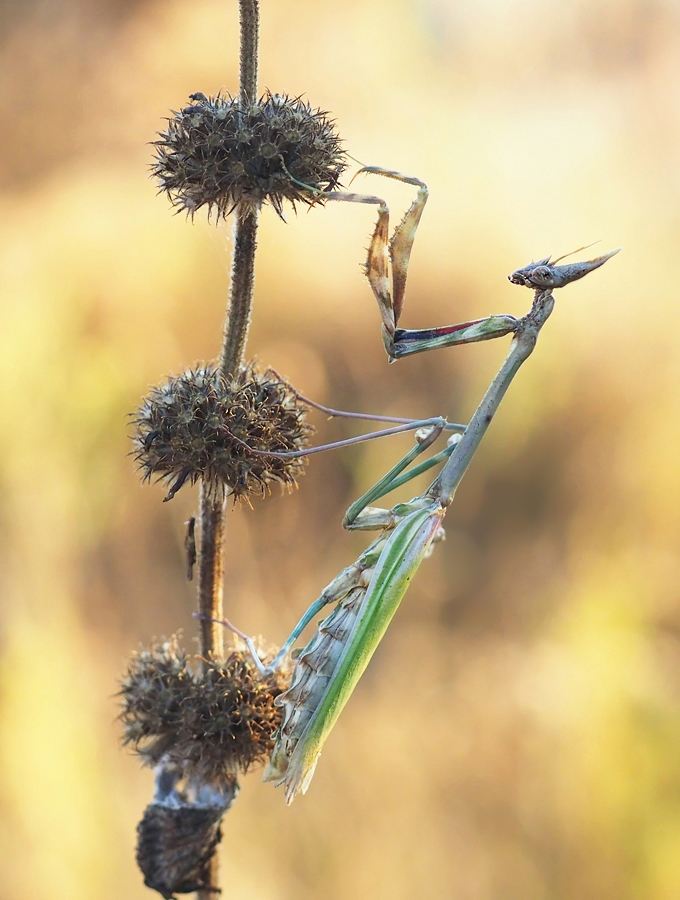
400,342
387,264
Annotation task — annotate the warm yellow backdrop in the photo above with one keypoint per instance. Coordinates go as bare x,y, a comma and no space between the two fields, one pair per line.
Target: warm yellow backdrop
516,737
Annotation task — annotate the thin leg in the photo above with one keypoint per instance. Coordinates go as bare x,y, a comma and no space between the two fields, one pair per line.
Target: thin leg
341,413
371,518
349,578
311,613
244,637
440,457
436,423
385,485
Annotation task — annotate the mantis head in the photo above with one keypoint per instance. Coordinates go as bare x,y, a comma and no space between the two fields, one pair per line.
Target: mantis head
544,275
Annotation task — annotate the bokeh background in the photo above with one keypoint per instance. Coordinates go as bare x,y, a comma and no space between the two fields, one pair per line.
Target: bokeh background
516,737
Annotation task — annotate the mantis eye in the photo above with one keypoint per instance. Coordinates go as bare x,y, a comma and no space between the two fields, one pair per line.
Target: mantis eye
542,275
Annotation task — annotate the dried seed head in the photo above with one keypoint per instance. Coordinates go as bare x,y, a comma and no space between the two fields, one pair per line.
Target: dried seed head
207,726
229,724
201,425
158,681
175,846
180,831
222,154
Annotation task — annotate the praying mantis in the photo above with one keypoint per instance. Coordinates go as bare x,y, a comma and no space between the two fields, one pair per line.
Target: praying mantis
367,593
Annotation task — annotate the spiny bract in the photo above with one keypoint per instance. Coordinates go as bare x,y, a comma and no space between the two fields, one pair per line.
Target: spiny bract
221,153
207,726
201,425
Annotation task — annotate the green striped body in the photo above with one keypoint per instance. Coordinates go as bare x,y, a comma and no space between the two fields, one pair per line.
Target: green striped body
331,665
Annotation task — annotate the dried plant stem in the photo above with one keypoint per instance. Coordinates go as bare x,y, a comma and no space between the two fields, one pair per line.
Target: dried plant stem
241,292
211,517
209,572
249,12
210,565
245,228
212,511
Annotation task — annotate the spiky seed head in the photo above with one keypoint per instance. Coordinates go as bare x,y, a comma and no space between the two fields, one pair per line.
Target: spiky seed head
175,846
209,725
201,425
229,724
220,153
157,681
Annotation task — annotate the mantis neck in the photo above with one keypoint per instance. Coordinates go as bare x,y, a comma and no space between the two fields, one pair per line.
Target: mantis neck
523,343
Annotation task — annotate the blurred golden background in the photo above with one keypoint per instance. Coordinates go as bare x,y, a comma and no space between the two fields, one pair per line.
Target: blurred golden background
516,736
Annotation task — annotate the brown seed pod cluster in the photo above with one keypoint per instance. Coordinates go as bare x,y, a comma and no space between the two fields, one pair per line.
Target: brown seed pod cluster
221,153
200,425
175,845
205,726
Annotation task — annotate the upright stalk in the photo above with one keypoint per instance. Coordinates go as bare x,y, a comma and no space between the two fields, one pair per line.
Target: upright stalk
237,320
211,510
249,13
210,564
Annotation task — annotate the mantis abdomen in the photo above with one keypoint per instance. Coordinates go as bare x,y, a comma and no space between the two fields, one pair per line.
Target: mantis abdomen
332,663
